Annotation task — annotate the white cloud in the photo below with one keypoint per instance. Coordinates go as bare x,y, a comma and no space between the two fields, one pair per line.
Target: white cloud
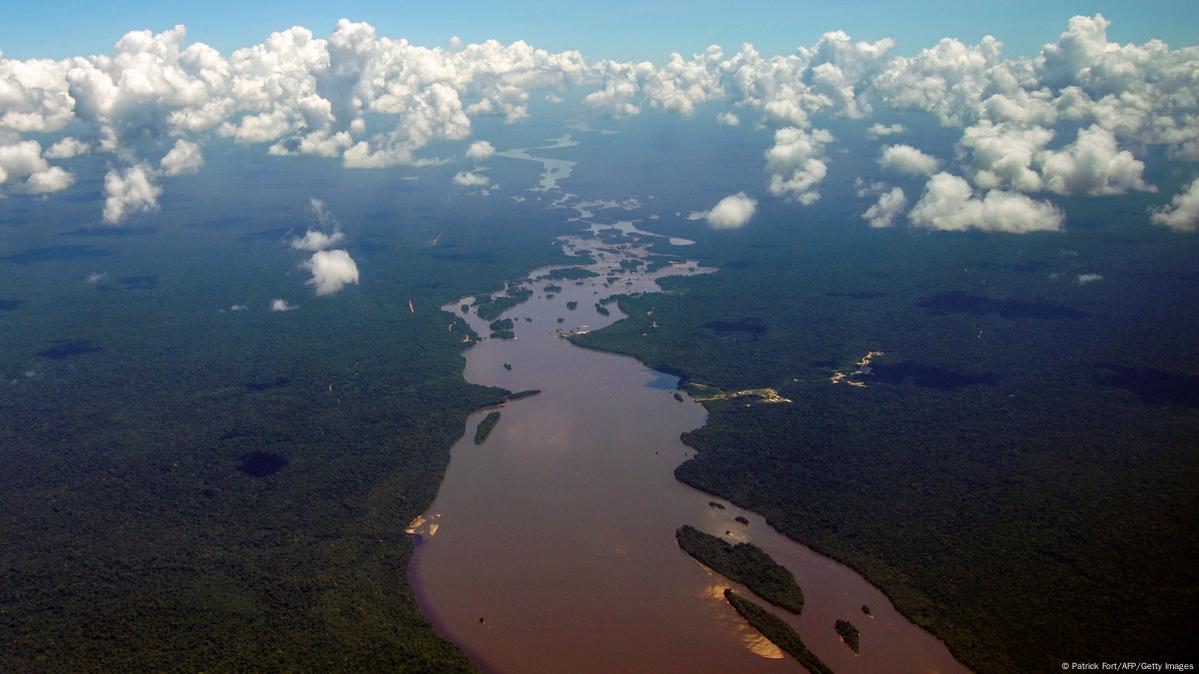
66,148
183,158
314,239
95,277
865,188
728,119
331,271
889,205
908,160
240,307
480,150
795,163
1015,156
379,102
471,179
1084,279
877,130
1182,214
1004,154
129,192
321,212
948,203
730,212
1092,165
23,167
280,304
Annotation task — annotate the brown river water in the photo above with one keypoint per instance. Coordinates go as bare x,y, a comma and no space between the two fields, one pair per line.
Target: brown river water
550,547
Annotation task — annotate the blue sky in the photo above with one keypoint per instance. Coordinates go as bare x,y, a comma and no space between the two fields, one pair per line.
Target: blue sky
616,29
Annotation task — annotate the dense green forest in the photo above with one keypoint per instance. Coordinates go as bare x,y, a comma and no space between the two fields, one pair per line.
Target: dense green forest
1017,471
743,563
849,634
780,633
485,426
187,487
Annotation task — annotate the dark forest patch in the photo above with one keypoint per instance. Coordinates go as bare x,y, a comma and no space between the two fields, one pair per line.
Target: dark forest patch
262,464
1154,387
977,305
277,382
858,294
55,254
927,376
115,232
11,305
145,282
749,326
65,348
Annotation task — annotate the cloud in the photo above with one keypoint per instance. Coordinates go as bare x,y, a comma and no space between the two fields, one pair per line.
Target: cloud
314,239
66,148
471,179
948,203
728,119
1182,214
1092,165
280,304
908,160
243,307
24,169
128,192
1084,279
889,205
377,102
331,271
877,130
183,158
323,215
795,164
730,212
1004,154
480,150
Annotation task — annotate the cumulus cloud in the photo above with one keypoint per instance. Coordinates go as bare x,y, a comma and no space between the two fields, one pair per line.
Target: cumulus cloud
377,102
182,159
331,271
480,150
948,203
730,212
889,205
24,169
471,179
1004,154
280,304
795,163
1182,214
728,119
1092,165
1084,279
315,239
66,148
128,192
877,130
908,160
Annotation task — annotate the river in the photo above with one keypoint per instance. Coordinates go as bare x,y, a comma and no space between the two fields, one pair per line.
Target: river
550,547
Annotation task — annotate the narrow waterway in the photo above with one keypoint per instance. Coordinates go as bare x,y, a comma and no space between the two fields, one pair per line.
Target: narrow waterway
550,546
